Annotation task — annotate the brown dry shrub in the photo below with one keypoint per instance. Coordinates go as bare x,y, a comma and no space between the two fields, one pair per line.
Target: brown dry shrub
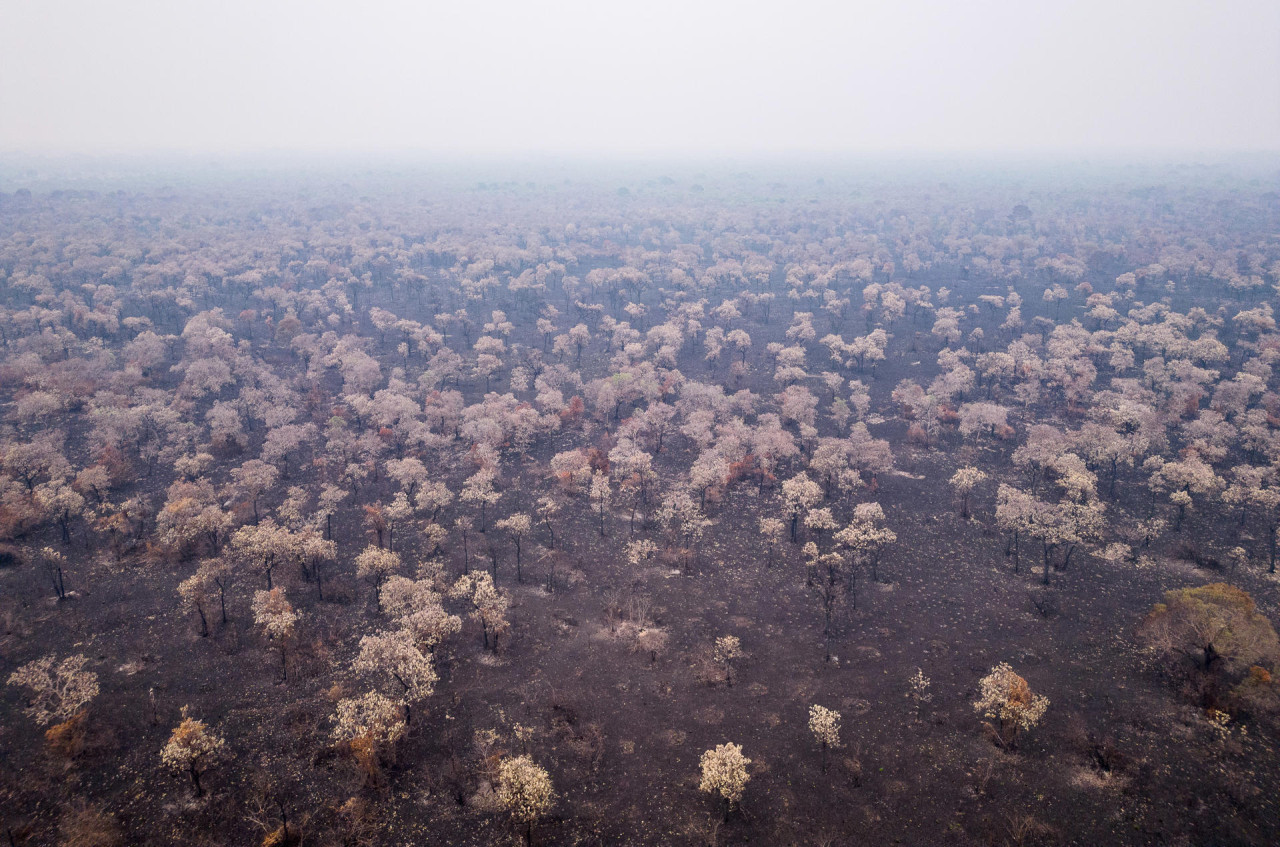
364,752
88,825
598,459
67,738
357,823
1257,694
340,589
852,766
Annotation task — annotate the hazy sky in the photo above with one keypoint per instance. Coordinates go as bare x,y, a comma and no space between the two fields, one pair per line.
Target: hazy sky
615,76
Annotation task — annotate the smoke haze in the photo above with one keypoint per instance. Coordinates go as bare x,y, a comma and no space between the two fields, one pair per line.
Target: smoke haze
638,78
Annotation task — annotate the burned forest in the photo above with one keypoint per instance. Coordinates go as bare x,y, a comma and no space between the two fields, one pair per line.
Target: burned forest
782,505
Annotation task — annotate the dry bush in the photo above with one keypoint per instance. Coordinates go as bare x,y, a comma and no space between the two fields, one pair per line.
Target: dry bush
1027,830
357,823
88,825
1258,694
340,589
852,766
67,738
705,667
589,745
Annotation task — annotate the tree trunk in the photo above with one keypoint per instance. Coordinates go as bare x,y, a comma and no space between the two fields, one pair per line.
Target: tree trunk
1210,655
1271,535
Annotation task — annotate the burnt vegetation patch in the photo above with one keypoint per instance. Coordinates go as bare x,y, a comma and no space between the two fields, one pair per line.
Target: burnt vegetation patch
675,509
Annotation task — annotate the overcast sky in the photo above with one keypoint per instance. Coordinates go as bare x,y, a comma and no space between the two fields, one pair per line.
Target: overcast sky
648,77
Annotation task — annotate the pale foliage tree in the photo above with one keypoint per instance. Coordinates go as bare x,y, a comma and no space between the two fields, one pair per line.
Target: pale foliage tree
963,481
601,493
59,691
517,526
294,511
275,616
524,790
824,723
196,592
419,608
727,650
375,563
488,604
395,514
253,479
193,748
918,690
1215,624
263,548
218,572
724,773
396,656
1005,698
572,470
368,723
479,489
866,537
190,514
982,417
53,563
1183,480
432,497
820,522
1014,515
59,502
771,529
640,551
799,494
680,515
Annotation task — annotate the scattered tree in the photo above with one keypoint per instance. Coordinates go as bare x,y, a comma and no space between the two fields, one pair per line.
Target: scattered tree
824,723
964,481
59,691
724,772
524,790
1005,697
275,616
192,748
